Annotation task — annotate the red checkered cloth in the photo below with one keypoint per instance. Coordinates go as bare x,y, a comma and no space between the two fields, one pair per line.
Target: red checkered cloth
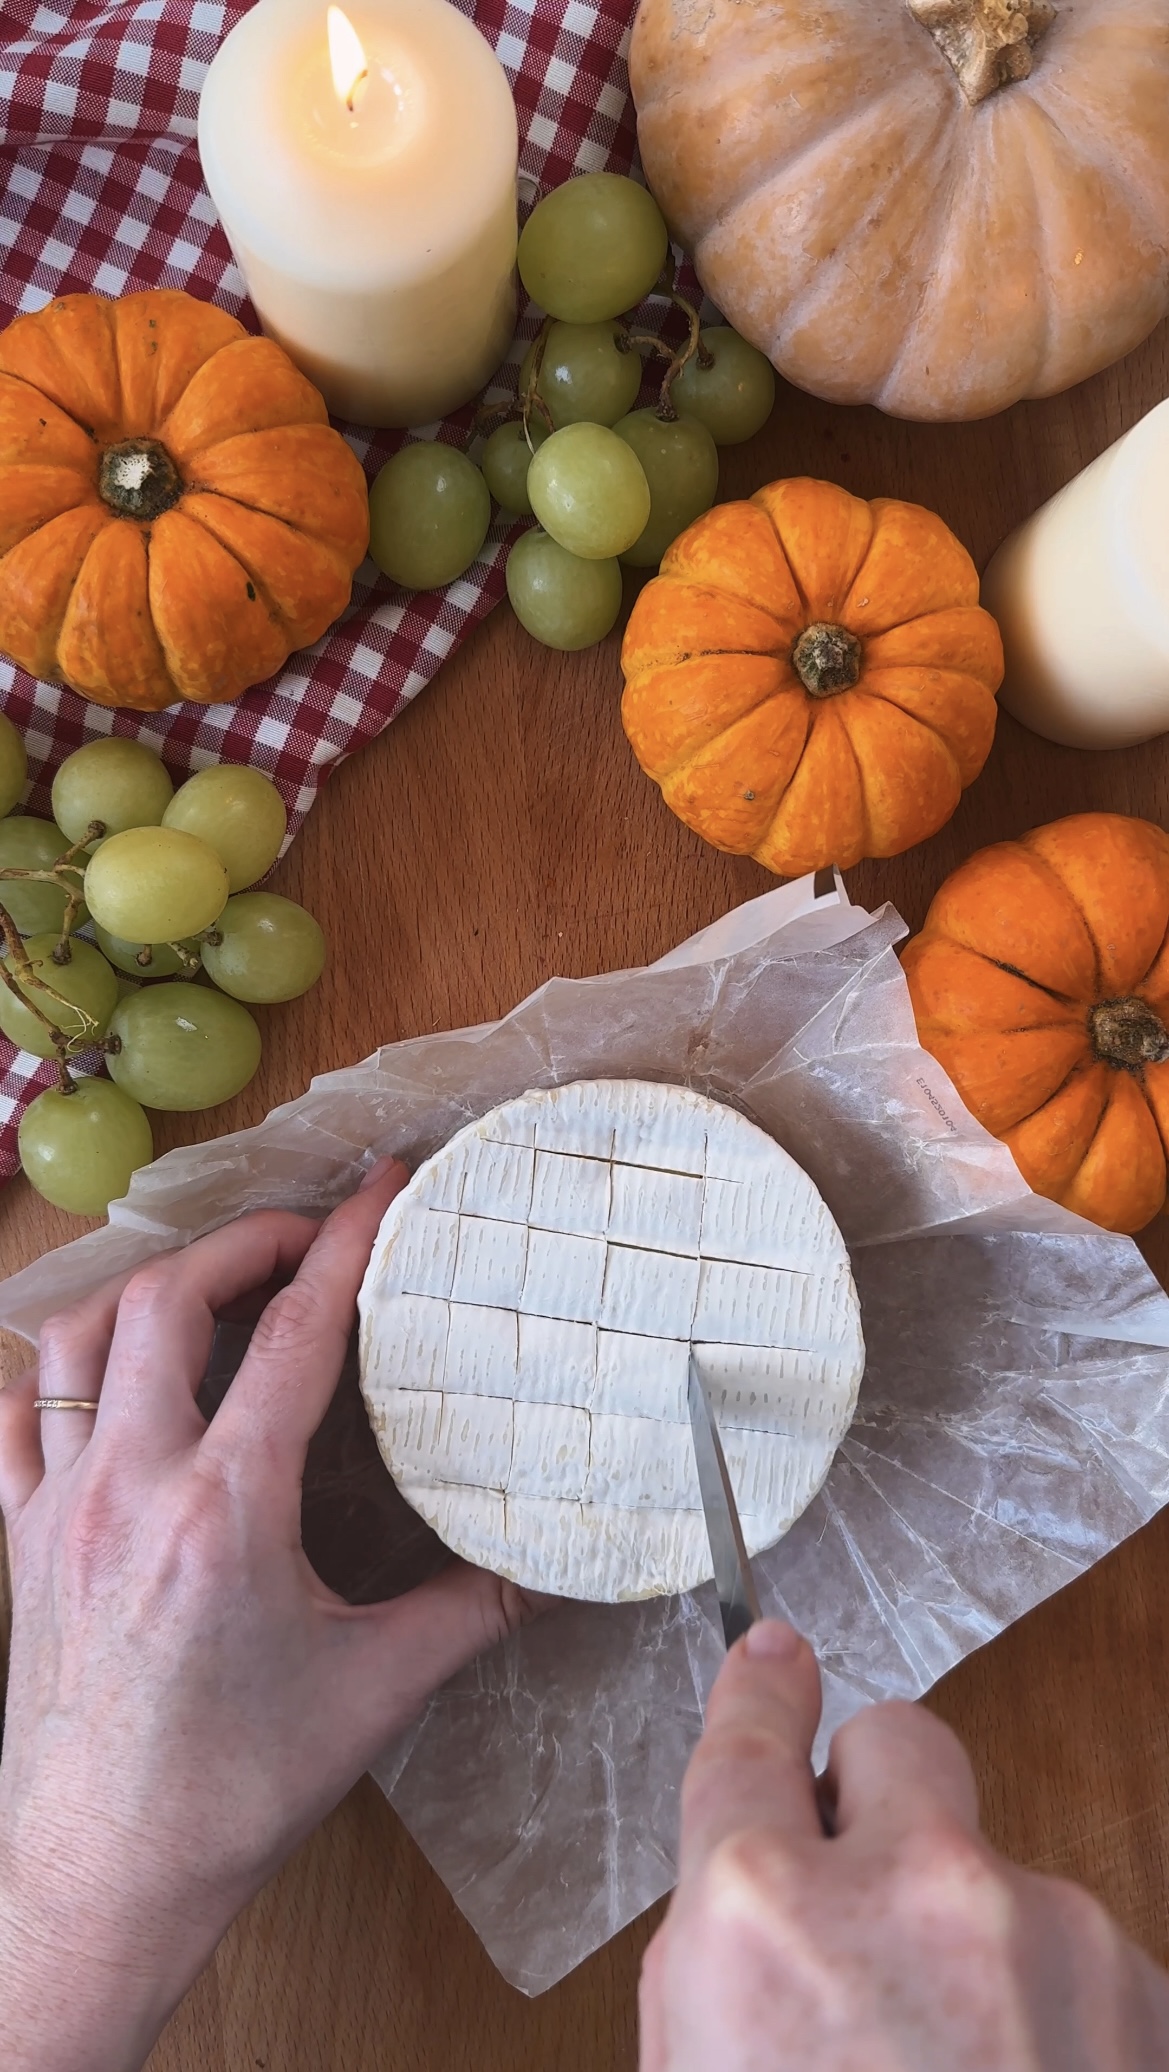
103,191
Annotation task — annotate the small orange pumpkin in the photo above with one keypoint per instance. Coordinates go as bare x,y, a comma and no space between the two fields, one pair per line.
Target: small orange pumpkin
1040,981
176,512
811,678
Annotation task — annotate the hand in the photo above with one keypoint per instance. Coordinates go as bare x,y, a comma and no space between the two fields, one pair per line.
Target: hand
904,1944
186,1700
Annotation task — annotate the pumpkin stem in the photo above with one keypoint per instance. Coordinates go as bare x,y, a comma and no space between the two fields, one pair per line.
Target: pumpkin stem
1128,1034
827,659
988,43
138,479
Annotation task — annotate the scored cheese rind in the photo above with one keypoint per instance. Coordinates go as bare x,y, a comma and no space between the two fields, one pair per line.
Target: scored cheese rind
527,1319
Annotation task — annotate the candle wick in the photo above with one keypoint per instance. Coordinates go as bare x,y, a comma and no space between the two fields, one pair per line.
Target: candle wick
352,95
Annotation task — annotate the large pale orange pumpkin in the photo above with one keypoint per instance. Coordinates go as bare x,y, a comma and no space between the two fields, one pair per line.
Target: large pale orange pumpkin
176,512
1041,983
937,206
811,678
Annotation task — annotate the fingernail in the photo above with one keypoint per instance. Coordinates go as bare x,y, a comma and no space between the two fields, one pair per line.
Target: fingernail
378,1171
770,1640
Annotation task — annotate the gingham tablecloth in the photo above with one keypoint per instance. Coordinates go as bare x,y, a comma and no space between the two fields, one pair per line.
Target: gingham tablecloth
102,191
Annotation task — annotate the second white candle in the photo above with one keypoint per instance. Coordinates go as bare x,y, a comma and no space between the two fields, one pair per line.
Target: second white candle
1081,593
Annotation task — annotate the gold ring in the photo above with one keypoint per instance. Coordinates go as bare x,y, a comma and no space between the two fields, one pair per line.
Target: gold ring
63,1403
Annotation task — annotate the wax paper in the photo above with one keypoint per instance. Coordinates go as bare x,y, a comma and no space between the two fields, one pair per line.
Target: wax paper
1013,1423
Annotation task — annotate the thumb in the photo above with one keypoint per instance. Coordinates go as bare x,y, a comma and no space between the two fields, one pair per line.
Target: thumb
402,1651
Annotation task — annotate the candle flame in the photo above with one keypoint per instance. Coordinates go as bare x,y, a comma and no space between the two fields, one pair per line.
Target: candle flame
346,56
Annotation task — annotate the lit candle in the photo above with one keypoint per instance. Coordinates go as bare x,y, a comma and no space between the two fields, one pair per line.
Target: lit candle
1081,592
364,168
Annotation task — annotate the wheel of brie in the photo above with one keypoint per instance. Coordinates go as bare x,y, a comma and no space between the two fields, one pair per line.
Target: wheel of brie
527,1319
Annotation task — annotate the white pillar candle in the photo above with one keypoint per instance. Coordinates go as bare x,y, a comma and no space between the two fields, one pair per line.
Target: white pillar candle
1081,592
364,170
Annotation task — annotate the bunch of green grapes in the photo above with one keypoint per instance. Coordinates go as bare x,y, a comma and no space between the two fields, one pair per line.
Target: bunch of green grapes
162,875
608,484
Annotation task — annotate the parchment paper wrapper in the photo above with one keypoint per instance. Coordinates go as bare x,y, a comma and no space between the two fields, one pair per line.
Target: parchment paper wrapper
1013,1422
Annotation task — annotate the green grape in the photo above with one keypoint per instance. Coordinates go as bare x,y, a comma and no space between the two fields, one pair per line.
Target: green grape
239,813
32,845
79,1149
429,511
681,467
588,490
271,949
86,982
13,765
506,458
592,248
155,884
183,1047
563,601
121,783
164,961
584,376
733,399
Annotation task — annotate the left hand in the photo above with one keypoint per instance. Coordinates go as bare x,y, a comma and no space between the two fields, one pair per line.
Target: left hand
186,1699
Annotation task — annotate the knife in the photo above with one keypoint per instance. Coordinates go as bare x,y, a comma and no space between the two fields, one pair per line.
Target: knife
738,1599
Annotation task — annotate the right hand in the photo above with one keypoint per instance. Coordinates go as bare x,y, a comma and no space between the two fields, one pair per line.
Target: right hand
901,1944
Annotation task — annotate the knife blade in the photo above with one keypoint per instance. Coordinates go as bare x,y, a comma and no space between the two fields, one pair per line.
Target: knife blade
738,1598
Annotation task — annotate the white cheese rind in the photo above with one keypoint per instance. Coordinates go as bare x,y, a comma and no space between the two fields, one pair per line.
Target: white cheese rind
527,1318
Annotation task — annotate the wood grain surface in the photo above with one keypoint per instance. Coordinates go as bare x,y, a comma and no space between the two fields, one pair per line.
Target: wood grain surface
501,832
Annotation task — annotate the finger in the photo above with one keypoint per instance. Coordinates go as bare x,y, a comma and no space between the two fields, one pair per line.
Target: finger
288,1374
22,1464
72,1352
753,1765
400,1653
166,1320
652,2053
894,1766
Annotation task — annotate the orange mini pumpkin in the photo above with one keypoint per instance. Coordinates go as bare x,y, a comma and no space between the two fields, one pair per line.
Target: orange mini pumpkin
1041,983
176,512
811,678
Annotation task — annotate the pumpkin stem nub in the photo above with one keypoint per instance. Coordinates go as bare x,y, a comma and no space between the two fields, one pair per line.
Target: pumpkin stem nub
989,43
1128,1034
138,479
827,659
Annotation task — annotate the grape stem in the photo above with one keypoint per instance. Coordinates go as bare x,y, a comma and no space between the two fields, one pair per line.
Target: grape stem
17,956
487,421
66,1084
668,285
627,341
692,349
68,874
531,400
188,962
63,953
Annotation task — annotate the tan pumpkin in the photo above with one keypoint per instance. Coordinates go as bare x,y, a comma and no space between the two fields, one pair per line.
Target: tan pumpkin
937,206
1040,981
811,678
176,512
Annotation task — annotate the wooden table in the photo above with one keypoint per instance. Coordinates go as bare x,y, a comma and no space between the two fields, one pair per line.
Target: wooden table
501,832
